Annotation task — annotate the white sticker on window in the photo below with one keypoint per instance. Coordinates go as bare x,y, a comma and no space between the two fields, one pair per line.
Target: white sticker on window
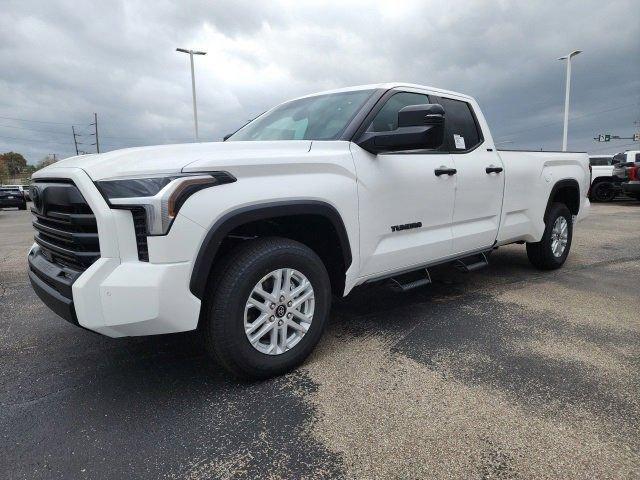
459,141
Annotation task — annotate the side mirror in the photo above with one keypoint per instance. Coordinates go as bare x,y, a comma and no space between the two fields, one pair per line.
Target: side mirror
419,127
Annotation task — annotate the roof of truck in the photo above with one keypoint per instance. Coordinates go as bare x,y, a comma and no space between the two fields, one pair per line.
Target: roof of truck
388,86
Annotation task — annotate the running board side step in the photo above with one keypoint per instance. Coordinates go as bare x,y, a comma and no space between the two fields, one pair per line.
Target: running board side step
409,281
472,263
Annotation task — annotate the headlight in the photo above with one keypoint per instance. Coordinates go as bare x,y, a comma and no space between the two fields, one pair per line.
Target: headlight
161,197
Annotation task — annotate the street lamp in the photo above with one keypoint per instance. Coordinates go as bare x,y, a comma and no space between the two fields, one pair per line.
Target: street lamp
193,85
566,96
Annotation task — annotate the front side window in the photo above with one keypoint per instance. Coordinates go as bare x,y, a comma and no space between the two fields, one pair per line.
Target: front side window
461,129
386,119
321,117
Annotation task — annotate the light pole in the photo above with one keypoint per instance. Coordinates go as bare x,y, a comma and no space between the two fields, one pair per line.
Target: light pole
193,85
566,96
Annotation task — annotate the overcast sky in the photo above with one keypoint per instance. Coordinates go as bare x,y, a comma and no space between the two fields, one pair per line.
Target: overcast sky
60,61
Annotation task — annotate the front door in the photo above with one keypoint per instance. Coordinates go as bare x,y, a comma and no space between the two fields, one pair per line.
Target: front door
405,209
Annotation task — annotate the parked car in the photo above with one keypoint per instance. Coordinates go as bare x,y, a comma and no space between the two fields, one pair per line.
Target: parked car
12,198
626,172
24,190
247,239
604,186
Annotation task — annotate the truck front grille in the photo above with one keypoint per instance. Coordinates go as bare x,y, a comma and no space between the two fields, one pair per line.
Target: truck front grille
66,228
140,226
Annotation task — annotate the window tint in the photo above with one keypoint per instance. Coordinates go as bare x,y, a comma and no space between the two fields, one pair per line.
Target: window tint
462,132
637,157
599,161
387,118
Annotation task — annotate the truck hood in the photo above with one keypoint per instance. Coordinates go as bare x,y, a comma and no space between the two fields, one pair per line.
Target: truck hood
169,159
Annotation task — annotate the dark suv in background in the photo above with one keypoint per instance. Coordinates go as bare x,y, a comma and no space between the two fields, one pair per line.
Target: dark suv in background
12,197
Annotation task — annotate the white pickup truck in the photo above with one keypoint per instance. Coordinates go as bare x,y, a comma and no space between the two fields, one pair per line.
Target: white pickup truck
247,239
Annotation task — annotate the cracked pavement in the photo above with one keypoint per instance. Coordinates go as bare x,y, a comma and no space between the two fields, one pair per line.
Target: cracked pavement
507,372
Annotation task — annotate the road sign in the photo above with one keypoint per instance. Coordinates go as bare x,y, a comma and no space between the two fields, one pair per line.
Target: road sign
604,137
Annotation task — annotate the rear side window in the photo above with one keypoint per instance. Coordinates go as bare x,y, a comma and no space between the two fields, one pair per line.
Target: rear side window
461,129
637,157
599,161
387,118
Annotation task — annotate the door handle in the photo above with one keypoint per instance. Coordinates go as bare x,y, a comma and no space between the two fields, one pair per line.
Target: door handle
492,169
445,171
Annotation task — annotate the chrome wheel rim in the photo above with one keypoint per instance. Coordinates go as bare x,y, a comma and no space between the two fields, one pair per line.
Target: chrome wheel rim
559,236
279,311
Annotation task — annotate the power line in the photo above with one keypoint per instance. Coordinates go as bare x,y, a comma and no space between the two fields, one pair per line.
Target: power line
33,129
34,121
38,140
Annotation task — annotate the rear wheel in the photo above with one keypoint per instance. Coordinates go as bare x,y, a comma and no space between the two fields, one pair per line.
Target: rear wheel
552,250
603,192
268,309
23,206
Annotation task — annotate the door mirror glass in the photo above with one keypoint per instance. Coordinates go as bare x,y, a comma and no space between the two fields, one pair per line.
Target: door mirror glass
419,127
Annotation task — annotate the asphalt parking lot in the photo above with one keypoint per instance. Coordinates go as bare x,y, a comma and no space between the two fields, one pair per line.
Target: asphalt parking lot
503,373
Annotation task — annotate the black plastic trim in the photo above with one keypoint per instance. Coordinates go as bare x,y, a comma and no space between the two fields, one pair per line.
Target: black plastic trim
557,186
53,289
217,233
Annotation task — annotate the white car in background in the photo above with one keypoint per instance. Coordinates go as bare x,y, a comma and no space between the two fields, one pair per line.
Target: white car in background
605,186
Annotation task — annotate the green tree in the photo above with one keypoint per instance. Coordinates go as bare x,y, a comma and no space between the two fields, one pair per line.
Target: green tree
14,163
4,172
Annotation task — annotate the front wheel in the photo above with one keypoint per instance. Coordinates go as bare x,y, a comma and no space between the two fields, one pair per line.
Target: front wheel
268,309
552,250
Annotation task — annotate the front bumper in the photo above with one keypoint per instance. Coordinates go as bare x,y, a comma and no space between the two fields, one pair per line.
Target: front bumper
118,295
52,283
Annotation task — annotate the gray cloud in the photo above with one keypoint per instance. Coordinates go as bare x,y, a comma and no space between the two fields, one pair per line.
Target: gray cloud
63,60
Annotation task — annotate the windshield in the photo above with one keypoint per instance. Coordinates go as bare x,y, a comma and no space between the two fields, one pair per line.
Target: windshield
321,117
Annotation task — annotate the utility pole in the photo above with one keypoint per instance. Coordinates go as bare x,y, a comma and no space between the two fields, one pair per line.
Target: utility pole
95,124
566,97
193,85
75,140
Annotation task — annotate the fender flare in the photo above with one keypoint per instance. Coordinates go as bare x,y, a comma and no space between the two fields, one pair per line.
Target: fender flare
568,182
220,229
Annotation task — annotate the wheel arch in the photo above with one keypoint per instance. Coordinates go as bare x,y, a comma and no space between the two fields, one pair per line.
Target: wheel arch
566,191
208,253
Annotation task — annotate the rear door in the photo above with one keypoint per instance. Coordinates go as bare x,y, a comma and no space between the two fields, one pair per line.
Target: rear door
480,179
405,209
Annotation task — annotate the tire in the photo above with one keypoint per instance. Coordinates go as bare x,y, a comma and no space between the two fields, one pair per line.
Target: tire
227,308
23,206
603,192
541,254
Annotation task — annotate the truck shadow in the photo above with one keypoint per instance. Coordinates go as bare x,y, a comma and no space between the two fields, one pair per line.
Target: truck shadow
463,333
